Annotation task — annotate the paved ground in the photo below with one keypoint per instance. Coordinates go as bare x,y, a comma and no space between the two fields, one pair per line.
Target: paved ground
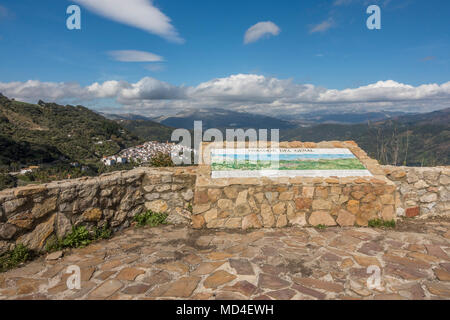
175,262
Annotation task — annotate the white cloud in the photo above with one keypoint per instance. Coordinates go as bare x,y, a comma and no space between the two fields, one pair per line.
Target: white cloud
141,14
135,56
323,26
259,30
249,92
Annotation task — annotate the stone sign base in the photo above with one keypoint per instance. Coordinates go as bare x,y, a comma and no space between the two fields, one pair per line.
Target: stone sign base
282,201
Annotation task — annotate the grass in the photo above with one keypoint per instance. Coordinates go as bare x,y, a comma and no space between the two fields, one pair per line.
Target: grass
321,164
13,258
150,218
80,237
379,223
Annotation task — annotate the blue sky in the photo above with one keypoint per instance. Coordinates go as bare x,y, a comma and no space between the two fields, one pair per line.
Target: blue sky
321,49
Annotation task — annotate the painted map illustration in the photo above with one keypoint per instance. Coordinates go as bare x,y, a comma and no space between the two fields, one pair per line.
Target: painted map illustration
235,163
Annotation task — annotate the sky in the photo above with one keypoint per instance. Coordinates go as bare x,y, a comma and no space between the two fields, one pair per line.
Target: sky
160,57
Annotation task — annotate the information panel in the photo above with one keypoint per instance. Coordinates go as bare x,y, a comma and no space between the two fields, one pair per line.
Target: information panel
335,162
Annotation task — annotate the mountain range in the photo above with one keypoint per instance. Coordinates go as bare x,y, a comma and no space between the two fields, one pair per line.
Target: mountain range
46,132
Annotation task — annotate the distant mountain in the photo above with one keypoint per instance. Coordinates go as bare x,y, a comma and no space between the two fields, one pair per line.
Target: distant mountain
343,118
124,116
44,132
414,140
222,119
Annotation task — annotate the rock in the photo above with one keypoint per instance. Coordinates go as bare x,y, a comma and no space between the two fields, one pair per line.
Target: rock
267,215
251,221
188,195
106,289
230,192
200,208
201,197
12,205
286,196
7,231
298,219
444,180
233,223
225,204
218,278
273,282
281,221
54,256
303,203
214,194
353,206
210,215
158,206
129,274
321,192
429,197
92,215
42,209
321,204
308,192
387,199
397,175
412,212
198,221
279,208
181,288
345,218
388,213
321,218
35,240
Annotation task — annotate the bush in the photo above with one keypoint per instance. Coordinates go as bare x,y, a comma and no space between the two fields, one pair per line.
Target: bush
12,259
379,223
161,160
79,237
150,218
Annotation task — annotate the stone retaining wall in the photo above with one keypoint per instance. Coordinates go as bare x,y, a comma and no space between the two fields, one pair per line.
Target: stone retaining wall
327,202
30,215
421,192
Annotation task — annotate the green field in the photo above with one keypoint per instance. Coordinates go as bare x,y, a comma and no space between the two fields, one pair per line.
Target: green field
322,164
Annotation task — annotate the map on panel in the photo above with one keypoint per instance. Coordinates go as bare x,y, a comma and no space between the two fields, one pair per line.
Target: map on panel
236,163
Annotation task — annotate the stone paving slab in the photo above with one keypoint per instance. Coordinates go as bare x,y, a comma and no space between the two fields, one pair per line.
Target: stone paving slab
173,262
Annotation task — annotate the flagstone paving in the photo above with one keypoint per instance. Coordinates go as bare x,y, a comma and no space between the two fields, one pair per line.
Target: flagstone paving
173,262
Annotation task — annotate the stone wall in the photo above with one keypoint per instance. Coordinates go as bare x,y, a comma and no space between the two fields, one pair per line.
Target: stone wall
421,192
30,215
312,202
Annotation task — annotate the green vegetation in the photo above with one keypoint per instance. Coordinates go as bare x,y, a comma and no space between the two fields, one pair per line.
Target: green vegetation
13,258
161,160
79,237
379,223
322,164
417,140
150,218
47,132
321,227
147,130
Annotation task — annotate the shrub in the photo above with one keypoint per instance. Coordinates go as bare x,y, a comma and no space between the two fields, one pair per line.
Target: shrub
161,160
78,238
150,218
12,259
379,223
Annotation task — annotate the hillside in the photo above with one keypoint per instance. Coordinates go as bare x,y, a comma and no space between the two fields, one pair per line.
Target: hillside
147,130
44,132
412,140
